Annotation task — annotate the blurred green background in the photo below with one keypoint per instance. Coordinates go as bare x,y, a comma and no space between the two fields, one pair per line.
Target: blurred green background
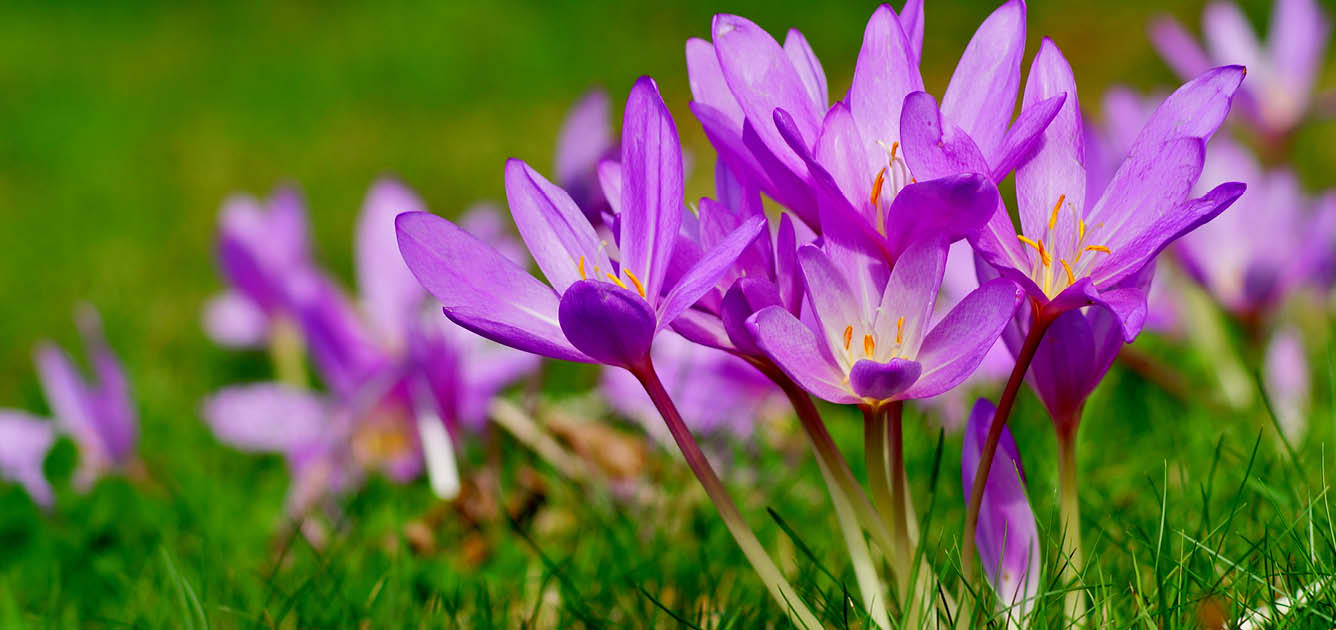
122,129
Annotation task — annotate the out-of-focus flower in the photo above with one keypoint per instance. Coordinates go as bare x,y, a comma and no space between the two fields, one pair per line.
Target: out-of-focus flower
398,377
716,392
98,414
1286,377
585,140
593,310
1007,538
1072,251
764,108
24,442
259,243
1270,243
1281,73
870,351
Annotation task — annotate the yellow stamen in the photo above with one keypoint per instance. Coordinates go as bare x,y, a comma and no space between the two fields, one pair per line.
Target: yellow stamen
848,336
1071,278
582,268
1028,241
869,344
1097,248
1080,230
640,288
615,279
900,330
876,186
1043,255
1053,220
894,146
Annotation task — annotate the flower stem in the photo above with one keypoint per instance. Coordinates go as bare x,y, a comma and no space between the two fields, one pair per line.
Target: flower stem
865,570
904,548
1070,513
1038,326
774,580
878,476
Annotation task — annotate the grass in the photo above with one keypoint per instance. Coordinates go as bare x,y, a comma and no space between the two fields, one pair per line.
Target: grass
126,126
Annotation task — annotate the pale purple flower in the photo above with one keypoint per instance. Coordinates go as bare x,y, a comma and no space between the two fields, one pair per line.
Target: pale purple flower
396,373
716,392
258,244
869,345
24,442
592,310
97,413
1271,242
1007,537
1281,72
1076,249
1288,384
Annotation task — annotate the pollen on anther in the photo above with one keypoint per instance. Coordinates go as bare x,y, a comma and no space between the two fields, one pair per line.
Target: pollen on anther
1071,278
894,147
869,345
617,280
876,186
640,288
900,330
848,336
582,268
1053,219
1098,248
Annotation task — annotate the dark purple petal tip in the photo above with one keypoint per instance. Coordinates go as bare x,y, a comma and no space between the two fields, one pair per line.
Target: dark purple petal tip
611,324
882,381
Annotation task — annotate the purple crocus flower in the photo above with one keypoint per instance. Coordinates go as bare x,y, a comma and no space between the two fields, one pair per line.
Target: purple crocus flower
98,414
585,140
1007,537
1076,249
1075,354
744,79
875,347
398,378
593,310
258,244
1253,256
1283,71
716,392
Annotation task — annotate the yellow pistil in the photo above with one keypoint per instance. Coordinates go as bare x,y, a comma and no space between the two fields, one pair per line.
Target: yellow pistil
876,186
640,288
848,336
1071,278
869,345
1053,219
900,330
582,268
616,280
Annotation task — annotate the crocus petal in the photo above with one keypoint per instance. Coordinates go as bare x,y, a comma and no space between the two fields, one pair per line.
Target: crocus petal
1229,37
585,136
762,78
335,336
391,296
882,381
68,395
808,67
746,297
911,292
933,147
955,346
24,443
233,320
1178,48
257,245
610,180
113,407
787,275
1143,192
1288,385
266,417
1061,372
886,72
703,328
1297,40
1025,136
797,351
911,20
705,275
1007,537
947,209
552,226
1194,110
651,211
1050,188
708,86
833,301
610,324
481,289
982,92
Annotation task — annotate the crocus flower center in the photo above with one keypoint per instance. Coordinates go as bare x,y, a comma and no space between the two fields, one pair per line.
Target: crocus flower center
887,183
613,278
1064,256
851,355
